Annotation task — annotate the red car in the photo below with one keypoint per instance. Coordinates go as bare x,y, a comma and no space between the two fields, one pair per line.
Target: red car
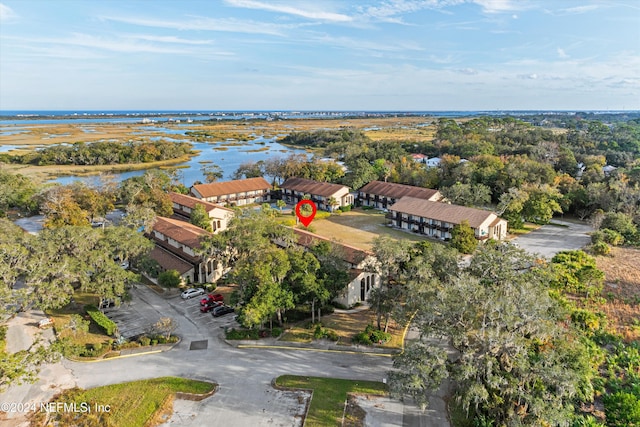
211,298
210,306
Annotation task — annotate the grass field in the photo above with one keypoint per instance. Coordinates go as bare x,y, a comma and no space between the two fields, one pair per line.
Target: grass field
131,404
359,228
329,396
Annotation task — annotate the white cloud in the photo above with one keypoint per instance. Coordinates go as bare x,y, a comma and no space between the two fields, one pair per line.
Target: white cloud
498,6
580,9
350,43
123,44
467,71
167,39
389,10
310,13
196,23
6,13
532,76
562,54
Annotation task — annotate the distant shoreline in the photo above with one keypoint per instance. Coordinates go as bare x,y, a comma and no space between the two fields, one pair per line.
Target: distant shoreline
201,114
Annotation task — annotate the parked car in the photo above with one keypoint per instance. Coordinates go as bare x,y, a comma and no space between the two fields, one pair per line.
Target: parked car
222,310
107,303
192,292
45,323
210,306
211,298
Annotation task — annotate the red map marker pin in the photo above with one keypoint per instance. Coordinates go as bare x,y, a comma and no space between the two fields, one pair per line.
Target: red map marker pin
306,220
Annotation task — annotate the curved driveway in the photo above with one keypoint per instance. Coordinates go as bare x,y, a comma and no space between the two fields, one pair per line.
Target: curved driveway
245,396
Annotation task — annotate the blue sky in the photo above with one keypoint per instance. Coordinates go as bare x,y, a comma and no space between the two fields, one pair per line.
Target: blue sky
320,55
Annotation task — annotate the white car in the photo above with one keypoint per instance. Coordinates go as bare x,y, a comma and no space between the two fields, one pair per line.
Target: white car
192,292
45,323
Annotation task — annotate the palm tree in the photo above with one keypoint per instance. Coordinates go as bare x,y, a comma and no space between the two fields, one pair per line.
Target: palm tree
332,202
281,204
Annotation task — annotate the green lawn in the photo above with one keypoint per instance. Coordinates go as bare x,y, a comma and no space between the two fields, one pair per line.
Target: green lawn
527,228
329,395
131,404
359,227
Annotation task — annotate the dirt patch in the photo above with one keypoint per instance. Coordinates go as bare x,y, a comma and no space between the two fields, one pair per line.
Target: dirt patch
353,415
622,291
347,325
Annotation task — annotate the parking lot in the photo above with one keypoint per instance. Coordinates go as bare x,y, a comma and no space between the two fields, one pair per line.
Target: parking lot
550,239
143,311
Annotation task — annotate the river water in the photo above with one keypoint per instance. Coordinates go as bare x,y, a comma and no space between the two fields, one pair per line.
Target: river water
229,155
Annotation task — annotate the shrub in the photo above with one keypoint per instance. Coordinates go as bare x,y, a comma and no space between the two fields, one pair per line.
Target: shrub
67,347
332,335
242,334
586,320
94,350
619,222
101,320
322,215
371,336
379,337
318,333
367,208
600,248
362,338
607,235
169,279
622,409
145,341
612,237
276,332
345,208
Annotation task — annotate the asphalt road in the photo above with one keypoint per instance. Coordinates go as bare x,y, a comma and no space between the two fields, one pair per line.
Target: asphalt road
244,375
548,240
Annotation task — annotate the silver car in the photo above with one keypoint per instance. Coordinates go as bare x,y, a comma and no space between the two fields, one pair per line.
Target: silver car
192,292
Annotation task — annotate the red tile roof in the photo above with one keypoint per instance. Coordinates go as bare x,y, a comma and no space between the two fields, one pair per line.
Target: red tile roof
169,261
352,255
397,191
452,214
191,202
180,231
309,186
232,187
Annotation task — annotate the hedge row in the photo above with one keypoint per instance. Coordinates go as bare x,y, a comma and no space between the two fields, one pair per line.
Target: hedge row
101,320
